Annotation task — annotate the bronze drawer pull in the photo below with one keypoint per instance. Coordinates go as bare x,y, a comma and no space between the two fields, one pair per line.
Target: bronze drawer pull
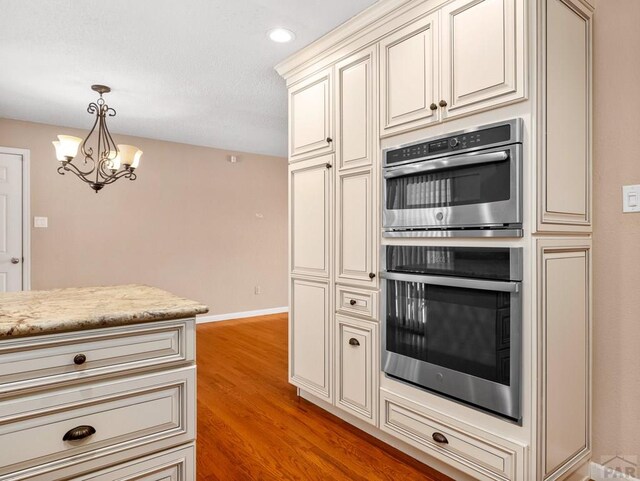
79,359
329,140
354,342
81,432
352,302
372,275
440,438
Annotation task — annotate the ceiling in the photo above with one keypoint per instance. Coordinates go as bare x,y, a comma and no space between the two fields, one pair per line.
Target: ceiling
192,71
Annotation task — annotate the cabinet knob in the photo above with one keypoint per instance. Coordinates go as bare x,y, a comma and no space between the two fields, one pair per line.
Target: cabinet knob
15,260
354,342
79,359
328,165
76,434
433,107
352,302
440,438
443,103
372,275
329,140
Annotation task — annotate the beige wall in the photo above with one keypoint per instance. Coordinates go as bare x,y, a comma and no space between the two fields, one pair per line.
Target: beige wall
188,224
616,415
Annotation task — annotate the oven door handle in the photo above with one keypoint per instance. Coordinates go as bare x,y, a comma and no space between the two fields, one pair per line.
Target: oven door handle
464,282
446,163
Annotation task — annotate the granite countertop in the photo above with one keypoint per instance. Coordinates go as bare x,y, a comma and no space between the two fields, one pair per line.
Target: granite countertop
29,313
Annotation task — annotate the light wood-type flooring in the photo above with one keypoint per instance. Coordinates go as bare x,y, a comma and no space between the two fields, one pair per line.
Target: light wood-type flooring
252,426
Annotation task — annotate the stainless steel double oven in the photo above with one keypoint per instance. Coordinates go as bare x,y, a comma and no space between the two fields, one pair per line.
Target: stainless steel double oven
452,315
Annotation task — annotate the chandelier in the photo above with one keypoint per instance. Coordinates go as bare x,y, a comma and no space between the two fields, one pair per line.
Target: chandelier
108,162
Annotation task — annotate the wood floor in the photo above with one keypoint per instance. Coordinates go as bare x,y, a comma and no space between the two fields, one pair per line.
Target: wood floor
252,426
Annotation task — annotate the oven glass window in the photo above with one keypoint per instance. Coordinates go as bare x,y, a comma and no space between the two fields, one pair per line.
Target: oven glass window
466,330
476,184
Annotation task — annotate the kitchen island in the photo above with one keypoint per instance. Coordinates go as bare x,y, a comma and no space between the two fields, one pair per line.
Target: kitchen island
97,384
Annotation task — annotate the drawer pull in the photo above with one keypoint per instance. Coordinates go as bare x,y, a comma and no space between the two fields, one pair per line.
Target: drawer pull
79,359
440,438
354,342
78,433
352,302
372,275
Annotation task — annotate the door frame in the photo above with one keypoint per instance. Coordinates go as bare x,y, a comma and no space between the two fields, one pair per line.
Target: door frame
26,212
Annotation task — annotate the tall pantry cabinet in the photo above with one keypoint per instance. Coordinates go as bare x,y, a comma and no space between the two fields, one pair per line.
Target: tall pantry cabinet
406,70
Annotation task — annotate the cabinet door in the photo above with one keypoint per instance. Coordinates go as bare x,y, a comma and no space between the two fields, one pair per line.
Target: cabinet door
356,232
355,94
356,365
483,54
310,116
310,346
310,193
409,77
564,280
564,202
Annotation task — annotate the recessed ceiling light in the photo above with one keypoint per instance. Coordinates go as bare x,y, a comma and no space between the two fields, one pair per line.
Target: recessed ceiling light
281,35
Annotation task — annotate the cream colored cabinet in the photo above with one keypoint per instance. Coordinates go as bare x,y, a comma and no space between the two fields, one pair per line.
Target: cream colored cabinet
310,341
564,202
356,101
310,204
409,77
310,116
564,282
356,241
483,54
357,367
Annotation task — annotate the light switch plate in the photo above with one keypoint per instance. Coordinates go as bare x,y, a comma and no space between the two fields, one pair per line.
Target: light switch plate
41,222
631,198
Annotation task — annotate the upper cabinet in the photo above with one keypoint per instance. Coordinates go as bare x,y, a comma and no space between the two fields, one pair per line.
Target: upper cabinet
409,77
564,171
465,58
310,116
482,54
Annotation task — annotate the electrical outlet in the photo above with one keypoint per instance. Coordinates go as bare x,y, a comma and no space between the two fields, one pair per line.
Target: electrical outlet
257,290
41,222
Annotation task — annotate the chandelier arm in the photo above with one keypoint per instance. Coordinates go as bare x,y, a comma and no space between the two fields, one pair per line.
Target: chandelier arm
69,167
127,174
88,153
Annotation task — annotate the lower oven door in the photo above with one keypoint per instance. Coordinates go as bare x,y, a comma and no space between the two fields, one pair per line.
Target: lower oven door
459,337
478,189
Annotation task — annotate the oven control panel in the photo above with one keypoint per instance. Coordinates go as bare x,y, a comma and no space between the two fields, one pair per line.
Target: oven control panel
454,143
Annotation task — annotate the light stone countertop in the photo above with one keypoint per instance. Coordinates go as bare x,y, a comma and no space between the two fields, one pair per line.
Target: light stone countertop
29,313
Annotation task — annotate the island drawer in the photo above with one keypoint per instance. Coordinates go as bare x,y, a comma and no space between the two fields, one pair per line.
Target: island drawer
98,423
172,465
479,454
39,360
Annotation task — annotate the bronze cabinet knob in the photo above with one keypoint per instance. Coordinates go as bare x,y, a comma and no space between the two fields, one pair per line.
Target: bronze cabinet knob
372,275
329,140
354,342
79,359
443,103
352,302
433,106
328,165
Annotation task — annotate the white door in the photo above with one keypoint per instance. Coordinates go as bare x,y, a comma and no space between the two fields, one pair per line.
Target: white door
10,222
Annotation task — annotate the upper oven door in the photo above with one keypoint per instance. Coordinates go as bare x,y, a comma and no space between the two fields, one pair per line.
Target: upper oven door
477,189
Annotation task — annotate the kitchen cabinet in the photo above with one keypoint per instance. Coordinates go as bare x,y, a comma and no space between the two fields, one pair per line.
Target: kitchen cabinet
483,52
310,356
356,105
564,279
356,255
310,116
356,367
409,77
311,205
564,170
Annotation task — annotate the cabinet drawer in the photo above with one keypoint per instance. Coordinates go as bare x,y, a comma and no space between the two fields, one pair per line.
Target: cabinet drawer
129,417
357,367
173,465
480,456
359,302
56,358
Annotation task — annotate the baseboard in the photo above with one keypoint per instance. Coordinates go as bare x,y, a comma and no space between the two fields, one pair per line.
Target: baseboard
240,315
603,473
